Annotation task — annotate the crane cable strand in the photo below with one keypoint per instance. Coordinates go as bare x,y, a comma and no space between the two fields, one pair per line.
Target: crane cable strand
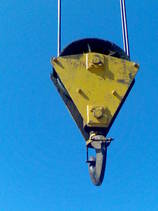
59,28
124,27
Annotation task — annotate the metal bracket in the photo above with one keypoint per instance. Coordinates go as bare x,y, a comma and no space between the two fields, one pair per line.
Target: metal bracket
97,142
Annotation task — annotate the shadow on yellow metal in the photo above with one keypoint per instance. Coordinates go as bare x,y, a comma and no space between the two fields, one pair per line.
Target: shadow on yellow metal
96,83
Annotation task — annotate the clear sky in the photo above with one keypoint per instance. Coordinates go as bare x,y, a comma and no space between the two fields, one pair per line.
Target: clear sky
42,153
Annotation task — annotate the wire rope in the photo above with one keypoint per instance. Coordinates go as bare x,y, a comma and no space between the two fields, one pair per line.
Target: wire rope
59,28
124,27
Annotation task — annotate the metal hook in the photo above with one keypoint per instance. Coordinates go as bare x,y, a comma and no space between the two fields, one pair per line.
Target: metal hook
96,166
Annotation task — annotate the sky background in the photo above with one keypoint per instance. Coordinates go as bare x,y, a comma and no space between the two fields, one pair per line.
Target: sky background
42,153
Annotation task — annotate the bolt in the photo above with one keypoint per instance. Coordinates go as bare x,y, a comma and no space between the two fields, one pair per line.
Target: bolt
54,59
96,60
98,112
136,65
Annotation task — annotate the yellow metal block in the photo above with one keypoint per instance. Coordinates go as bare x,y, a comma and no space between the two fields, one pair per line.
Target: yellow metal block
96,83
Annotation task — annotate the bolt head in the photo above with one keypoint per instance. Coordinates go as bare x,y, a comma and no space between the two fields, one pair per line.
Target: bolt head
98,112
136,65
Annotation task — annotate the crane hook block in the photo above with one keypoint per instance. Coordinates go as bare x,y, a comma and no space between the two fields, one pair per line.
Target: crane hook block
94,77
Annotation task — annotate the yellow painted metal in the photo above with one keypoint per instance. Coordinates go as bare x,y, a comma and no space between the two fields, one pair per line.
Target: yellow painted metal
97,84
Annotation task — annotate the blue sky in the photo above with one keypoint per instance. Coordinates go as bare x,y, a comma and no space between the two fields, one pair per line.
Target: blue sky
42,153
